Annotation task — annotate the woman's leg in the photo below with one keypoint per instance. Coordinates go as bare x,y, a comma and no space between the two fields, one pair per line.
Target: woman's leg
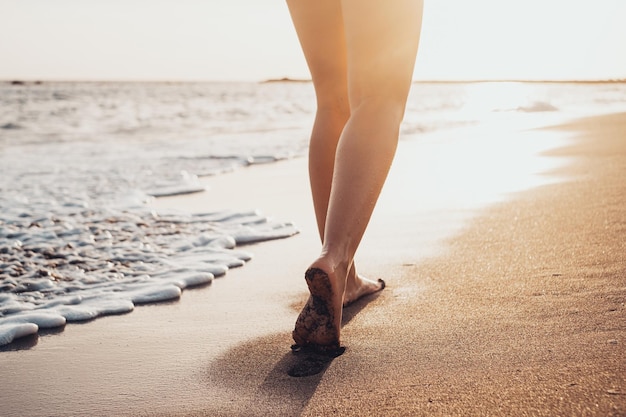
320,29
381,42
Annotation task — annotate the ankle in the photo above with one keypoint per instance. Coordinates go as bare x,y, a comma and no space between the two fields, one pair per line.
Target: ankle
338,272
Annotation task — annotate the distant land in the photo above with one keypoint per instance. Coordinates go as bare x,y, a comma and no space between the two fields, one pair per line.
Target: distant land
286,80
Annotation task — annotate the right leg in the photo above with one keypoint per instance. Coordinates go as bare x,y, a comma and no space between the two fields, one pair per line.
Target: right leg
381,43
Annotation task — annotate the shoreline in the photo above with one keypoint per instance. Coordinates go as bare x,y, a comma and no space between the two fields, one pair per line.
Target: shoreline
521,312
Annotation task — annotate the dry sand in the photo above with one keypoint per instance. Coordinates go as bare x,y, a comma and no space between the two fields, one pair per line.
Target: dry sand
523,313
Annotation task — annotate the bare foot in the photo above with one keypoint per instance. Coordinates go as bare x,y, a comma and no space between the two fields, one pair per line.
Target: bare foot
319,323
358,286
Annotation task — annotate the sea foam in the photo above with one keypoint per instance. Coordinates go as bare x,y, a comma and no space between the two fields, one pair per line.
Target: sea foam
12,331
77,265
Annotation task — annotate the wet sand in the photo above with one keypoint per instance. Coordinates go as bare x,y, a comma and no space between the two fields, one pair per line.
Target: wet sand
522,312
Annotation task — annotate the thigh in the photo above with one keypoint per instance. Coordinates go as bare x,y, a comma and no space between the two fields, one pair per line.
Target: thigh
319,25
382,38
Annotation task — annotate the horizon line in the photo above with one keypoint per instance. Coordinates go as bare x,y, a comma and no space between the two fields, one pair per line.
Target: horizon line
22,81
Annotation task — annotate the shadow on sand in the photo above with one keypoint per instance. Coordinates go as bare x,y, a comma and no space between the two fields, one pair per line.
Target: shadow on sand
254,378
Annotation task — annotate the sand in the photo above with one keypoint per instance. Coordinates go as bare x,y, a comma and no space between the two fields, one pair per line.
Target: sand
520,313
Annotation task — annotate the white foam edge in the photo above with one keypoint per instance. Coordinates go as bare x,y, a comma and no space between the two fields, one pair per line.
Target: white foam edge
194,265
191,279
93,308
44,320
154,294
10,332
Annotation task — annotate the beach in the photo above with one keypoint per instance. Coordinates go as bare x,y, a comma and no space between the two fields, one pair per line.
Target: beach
519,308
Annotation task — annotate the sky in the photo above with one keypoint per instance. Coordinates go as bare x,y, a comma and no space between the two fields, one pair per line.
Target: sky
251,40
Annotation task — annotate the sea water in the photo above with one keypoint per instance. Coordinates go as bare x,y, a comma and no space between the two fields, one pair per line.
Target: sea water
79,162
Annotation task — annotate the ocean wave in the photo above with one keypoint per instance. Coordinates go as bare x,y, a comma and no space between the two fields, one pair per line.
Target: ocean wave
76,238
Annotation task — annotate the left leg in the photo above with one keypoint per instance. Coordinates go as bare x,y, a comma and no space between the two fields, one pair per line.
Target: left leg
319,25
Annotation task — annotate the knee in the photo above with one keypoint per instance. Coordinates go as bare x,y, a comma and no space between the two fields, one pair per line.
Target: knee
336,107
331,93
376,106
